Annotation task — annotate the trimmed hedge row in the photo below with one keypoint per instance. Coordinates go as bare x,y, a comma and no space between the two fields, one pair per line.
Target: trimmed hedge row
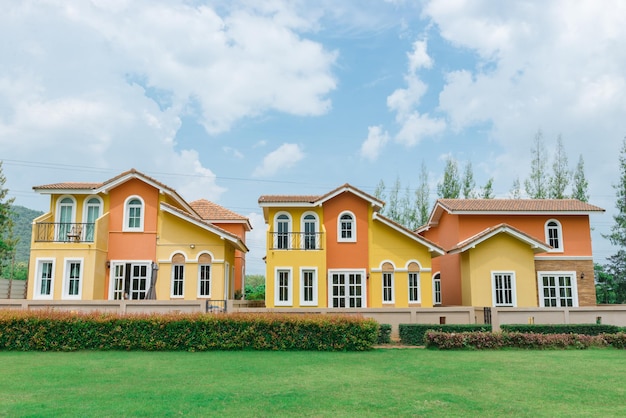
384,334
584,329
63,331
497,340
414,334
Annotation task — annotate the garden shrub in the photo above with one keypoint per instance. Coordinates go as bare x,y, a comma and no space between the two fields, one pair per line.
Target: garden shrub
384,334
413,334
64,331
617,340
585,329
495,340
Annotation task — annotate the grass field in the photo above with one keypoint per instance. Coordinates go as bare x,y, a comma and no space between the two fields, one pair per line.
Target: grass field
384,382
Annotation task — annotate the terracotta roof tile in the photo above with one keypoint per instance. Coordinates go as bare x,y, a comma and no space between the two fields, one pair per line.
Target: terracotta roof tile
214,212
288,198
502,227
517,205
199,219
69,186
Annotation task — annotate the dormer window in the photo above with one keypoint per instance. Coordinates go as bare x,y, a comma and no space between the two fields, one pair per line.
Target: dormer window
554,235
346,228
133,214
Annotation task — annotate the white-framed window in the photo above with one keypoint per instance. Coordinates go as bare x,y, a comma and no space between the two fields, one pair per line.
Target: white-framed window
308,286
437,289
134,214
557,289
282,231
284,287
66,212
388,287
310,232
346,227
554,235
346,289
44,285
503,285
73,278
92,211
178,280
129,279
414,287
204,275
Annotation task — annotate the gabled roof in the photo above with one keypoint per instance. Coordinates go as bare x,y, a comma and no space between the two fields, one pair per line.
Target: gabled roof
197,220
432,247
537,245
510,207
213,212
106,186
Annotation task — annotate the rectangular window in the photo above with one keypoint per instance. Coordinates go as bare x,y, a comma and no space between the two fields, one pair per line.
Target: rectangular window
205,280
73,276
387,287
504,289
119,290
414,288
178,280
347,289
43,287
283,288
134,217
138,282
437,290
308,287
558,289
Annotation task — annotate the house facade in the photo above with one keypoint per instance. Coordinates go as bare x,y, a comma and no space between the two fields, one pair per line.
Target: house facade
337,251
513,252
131,237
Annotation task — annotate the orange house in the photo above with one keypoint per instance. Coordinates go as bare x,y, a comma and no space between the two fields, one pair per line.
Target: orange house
136,238
512,252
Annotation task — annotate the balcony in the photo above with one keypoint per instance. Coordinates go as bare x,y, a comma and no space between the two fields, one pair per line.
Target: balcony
64,232
296,240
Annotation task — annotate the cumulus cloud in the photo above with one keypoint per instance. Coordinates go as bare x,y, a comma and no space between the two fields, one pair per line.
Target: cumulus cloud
376,140
284,157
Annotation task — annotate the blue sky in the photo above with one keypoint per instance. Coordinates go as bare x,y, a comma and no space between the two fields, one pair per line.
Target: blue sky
229,100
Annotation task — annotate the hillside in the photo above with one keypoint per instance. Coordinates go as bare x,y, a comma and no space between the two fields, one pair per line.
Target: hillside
23,224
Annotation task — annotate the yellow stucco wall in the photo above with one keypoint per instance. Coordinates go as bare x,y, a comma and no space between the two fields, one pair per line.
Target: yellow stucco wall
500,253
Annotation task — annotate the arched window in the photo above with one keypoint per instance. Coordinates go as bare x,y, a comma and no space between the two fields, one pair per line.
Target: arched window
346,227
66,218
437,289
310,233
93,210
554,235
133,214
414,283
178,276
388,283
204,275
282,232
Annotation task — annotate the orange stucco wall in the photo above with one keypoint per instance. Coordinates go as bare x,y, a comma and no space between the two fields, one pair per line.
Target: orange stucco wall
347,254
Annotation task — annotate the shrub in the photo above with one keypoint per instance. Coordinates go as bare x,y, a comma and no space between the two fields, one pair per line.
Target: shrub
255,292
63,331
495,340
585,329
384,334
413,334
617,340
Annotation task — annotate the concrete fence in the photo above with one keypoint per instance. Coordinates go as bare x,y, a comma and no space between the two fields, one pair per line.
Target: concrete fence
12,289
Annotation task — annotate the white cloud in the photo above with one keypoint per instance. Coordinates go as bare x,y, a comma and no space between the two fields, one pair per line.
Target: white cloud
285,156
376,140
233,151
417,127
419,58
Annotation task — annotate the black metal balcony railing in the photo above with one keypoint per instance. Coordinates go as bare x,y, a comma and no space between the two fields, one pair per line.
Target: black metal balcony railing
64,232
296,240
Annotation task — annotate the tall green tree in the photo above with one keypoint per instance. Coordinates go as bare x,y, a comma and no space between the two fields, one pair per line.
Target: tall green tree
468,181
561,174
487,190
380,191
516,189
408,210
580,184
450,186
615,280
538,183
392,210
422,196
618,230
7,241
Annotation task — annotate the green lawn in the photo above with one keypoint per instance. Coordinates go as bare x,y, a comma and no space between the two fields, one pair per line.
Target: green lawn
385,382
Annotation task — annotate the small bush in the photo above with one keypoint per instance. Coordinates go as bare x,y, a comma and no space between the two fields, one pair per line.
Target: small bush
584,329
64,331
496,340
384,334
617,340
413,334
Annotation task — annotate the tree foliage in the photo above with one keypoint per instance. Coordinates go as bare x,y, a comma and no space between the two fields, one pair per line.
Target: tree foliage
537,184
422,196
468,181
580,184
487,190
561,174
7,240
618,230
450,186
516,189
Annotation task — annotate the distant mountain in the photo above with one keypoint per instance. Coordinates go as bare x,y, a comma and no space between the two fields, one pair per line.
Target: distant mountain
22,228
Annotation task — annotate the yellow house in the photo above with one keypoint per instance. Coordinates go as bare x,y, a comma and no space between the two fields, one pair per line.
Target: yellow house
337,251
128,237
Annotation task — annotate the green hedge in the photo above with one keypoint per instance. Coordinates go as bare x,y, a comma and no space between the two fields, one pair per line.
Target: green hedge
582,329
62,331
413,334
384,334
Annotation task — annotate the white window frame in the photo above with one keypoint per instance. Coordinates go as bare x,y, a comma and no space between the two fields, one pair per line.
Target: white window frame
127,208
540,287
277,274
89,230
64,228
316,237
494,291
418,286
276,238
340,230
38,279
315,286
559,232
200,279
174,279
346,285
66,279
437,292
128,291
388,287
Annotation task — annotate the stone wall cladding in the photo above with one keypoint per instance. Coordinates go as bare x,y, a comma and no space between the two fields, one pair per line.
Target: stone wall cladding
586,286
